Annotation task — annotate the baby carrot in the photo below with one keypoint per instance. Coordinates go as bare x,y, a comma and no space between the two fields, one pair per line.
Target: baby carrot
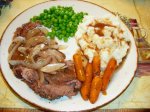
95,89
96,65
85,89
108,73
79,67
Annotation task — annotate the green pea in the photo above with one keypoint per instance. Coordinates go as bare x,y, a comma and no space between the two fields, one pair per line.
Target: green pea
72,34
65,17
63,27
49,34
62,20
42,15
48,16
52,36
65,39
70,13
45,16
64,32
53,19
57,33
85,13
53,7
59,6
70,24
32,19
68,29
55,24
45,11
60,37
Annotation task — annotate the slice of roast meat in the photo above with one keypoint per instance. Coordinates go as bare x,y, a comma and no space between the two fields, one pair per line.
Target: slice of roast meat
62,83
29,75
62,76
22,31
53,91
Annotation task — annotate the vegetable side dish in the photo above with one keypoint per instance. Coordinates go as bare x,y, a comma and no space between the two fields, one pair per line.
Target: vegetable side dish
63,21
104,45
36,57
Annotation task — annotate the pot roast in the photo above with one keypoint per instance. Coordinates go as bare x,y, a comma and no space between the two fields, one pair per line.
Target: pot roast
36,60
61,83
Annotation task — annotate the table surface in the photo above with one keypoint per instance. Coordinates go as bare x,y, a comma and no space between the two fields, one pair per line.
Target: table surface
137,94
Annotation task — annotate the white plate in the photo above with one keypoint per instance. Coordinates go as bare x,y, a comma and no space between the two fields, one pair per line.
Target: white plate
118,84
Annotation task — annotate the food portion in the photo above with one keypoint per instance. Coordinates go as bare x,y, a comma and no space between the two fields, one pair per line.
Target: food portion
103,37
63,21
86,86
96,86
111,66
38,58
103,43
51,85
79,67
35,55
37,61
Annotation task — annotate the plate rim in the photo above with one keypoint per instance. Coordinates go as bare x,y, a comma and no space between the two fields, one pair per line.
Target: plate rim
44,108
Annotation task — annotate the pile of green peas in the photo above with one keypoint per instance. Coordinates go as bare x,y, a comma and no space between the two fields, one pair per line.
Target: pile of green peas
63,21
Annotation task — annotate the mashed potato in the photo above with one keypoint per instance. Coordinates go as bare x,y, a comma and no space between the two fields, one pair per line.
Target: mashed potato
102,36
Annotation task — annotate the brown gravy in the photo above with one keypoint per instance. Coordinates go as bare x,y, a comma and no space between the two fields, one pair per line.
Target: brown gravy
18,56
100,27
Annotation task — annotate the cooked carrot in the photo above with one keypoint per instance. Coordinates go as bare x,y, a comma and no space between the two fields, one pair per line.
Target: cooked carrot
79,67
85,89
108,73
96,86
96,65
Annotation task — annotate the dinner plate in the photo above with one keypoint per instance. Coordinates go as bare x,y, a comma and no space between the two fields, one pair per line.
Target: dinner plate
120,81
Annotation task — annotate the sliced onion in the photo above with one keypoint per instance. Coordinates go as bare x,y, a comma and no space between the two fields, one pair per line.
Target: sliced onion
44,30
41,75
13,50
39,64
35,31
11,46
58,55
32,33
16,62
58,47
35,51
52,42
35,41
62,47
54,46
52,67
22,49
53,60
18,39
64,67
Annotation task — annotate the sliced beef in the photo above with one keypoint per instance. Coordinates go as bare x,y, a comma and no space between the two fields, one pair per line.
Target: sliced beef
29,75
62,76
59,56
53,91
61,83
22,31
18,70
